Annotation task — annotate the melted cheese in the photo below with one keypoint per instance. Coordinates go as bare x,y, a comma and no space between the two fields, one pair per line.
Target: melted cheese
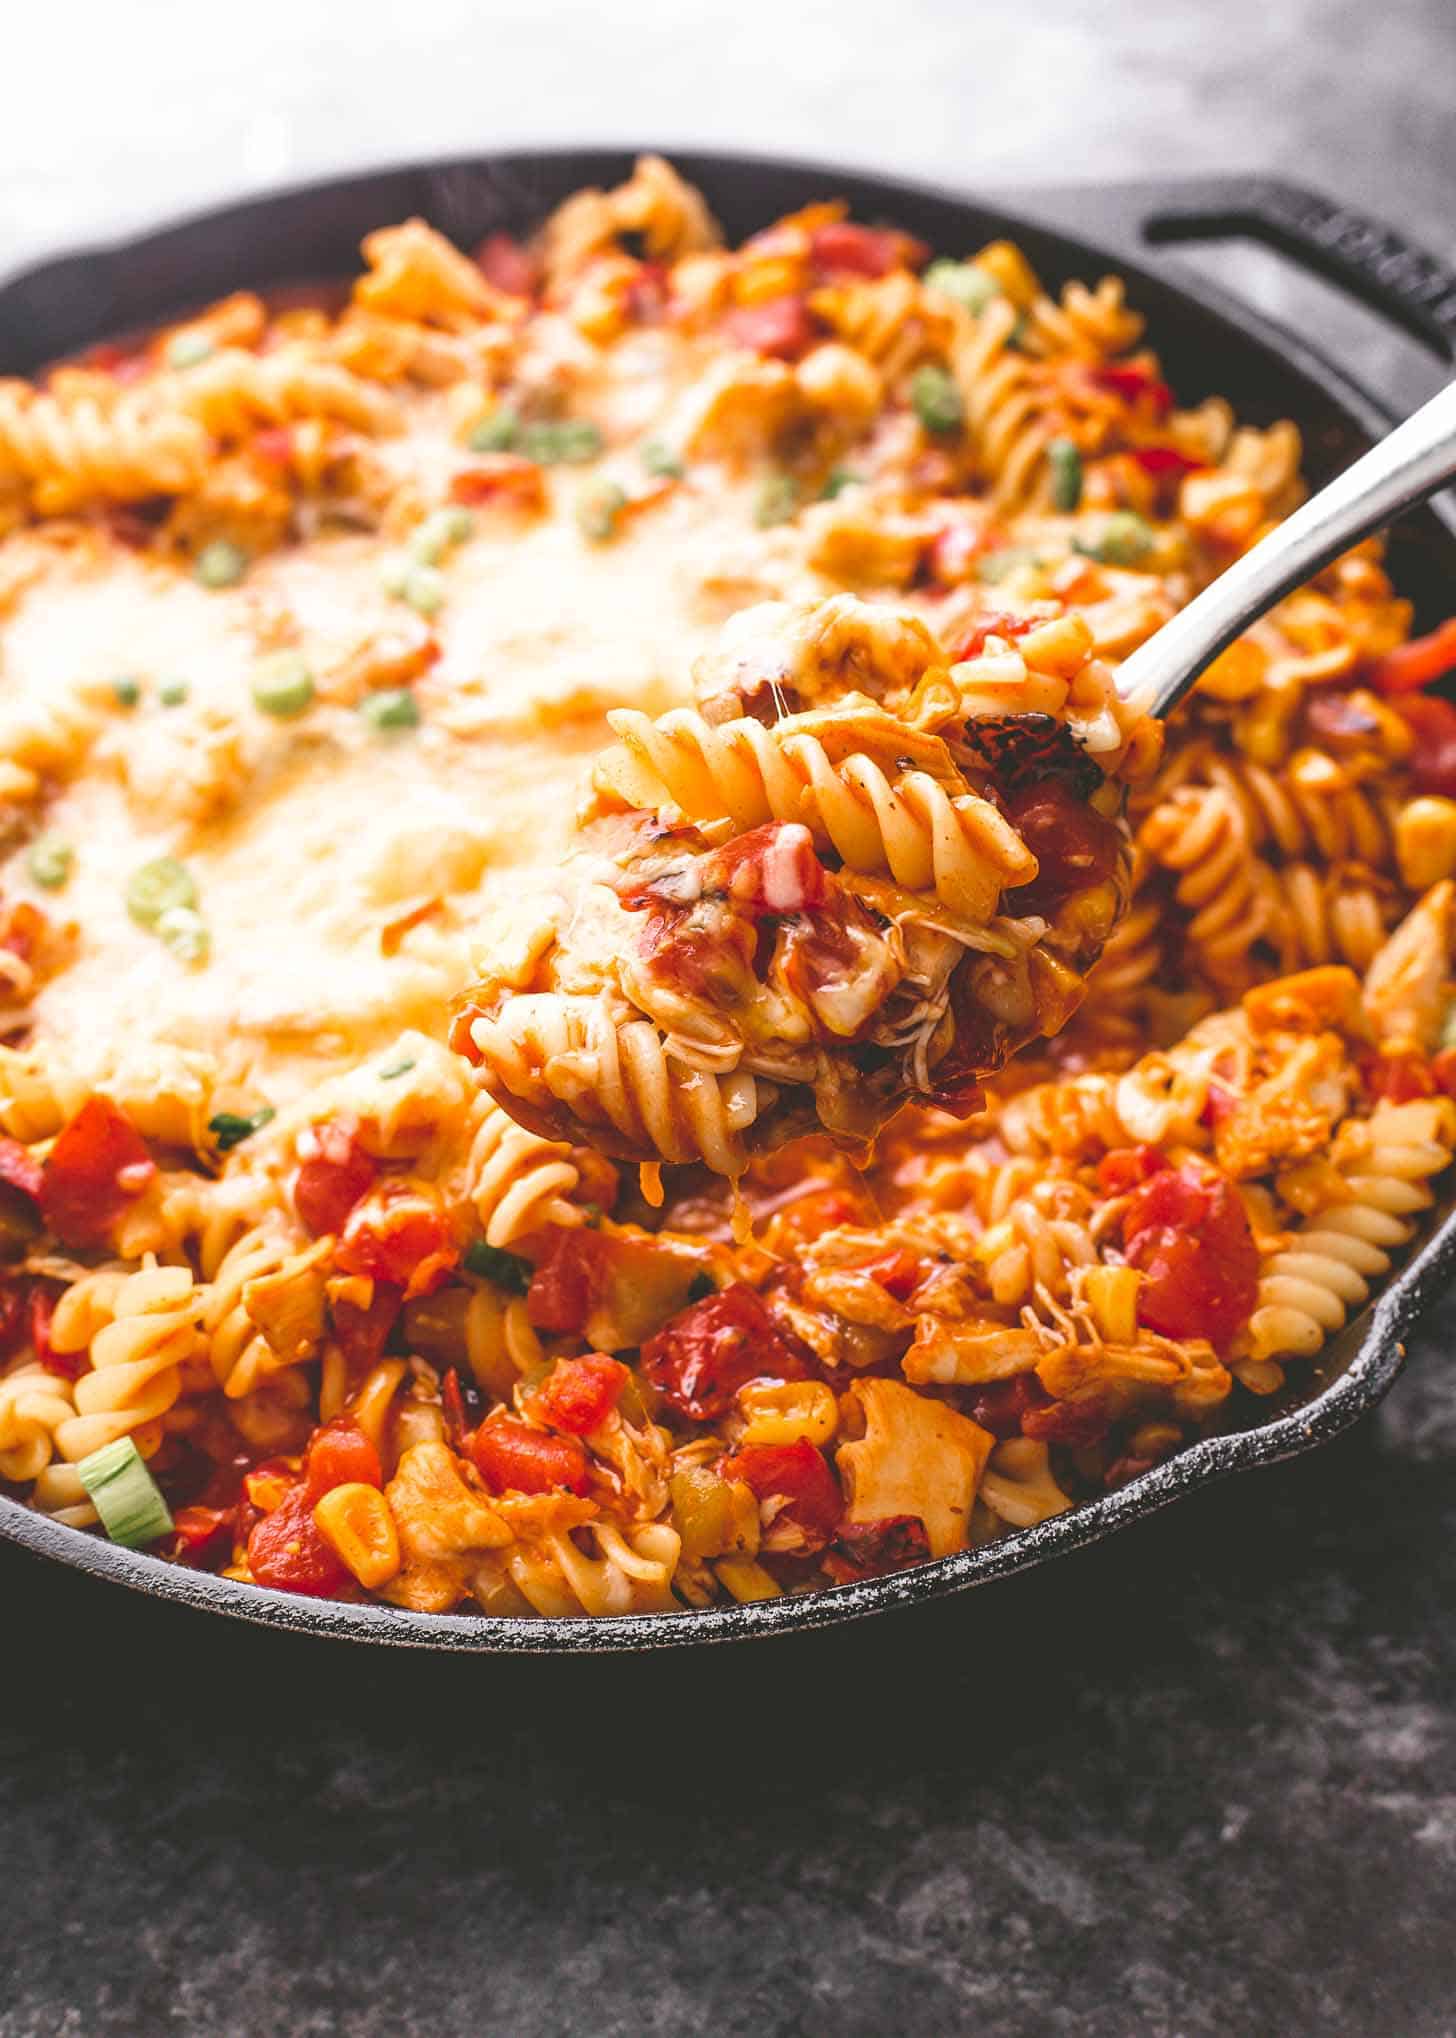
342,872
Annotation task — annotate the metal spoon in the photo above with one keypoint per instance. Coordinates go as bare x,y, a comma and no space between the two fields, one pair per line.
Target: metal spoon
1413,462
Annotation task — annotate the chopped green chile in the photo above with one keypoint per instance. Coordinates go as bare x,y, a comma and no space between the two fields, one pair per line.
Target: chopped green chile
659,459
1122,540
231,1128
1065,461
127,691
50,861
125,1494
221,564
438,535
393,707
396,1070
777,501
173,692
499,433
936,400
598,512
506,1270
424,590
158,887
562,442
283,686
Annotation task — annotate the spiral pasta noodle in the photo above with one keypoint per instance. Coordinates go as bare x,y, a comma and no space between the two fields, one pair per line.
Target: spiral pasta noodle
139,1330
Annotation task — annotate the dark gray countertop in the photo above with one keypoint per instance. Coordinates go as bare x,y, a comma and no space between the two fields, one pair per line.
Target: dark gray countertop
1200,1780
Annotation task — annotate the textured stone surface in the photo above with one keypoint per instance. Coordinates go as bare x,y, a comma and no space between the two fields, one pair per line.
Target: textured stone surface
1201,1780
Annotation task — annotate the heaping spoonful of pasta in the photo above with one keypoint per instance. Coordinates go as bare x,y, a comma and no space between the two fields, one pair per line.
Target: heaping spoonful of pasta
855,873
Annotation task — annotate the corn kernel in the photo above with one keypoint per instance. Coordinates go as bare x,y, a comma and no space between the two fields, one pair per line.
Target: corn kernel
745,1579
838,378
1425,841
356,1522
1010,270
1112,1294
783,1412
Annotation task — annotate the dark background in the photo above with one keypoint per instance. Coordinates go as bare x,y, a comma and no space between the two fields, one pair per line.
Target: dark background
1199,1780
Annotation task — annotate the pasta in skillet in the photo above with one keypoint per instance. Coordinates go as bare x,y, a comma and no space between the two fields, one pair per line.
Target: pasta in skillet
611,699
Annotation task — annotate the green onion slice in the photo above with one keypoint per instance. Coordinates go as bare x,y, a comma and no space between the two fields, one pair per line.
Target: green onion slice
969,286
50,861
127,692
283,686
172,692
1065,461
186,350
231,1128
157,887
125,1494
936,400
997,566
506,1270
424,589
397,1069
221,564
393,707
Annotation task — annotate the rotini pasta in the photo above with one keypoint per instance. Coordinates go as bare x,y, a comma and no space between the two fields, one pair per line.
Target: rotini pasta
615,697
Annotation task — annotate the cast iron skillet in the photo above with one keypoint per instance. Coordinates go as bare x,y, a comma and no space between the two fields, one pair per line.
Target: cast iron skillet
1210,343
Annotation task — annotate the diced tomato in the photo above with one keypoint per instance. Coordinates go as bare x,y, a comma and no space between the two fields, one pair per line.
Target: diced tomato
647,295
504,263
512,1457
1432,761
1418,663
274,444
286,1551
1072,843
122,362
340,1454
363,1333
578,1395
23,927
699,1360
868,1549
20,1168
1160,460
772,869
965,535
781,327
1001,1405
1397,1078
1133,381
899,1272
1188,1234
565,1284
66,1365
508,480
97,1165
846,249
334,1174
203,1534
1443,1068
1126,1166
405,1239
999,623
798,1477
1073,1423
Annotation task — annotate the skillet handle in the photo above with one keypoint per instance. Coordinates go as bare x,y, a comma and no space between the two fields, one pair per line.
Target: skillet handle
1372,261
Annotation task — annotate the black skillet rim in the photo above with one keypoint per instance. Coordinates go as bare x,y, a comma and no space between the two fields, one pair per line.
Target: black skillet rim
1375,1342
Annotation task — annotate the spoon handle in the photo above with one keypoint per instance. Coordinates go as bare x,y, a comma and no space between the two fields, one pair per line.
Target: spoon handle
1413,462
